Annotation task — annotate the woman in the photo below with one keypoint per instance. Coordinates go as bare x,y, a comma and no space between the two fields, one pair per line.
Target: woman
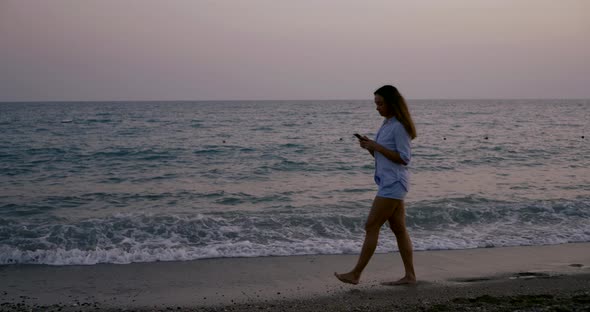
392,152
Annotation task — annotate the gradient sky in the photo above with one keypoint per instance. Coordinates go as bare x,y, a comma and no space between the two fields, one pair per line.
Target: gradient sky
298,49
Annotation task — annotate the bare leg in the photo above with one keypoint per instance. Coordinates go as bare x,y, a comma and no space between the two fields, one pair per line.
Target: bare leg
381,211
397,222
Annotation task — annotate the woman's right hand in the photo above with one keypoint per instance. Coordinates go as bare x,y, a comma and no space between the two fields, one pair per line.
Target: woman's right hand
367,143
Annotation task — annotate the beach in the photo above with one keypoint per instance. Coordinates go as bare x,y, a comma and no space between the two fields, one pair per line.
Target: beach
553,274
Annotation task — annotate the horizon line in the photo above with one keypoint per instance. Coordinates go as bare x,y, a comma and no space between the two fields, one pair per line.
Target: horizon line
288,100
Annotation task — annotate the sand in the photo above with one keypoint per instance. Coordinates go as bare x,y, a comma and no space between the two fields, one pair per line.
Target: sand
487,278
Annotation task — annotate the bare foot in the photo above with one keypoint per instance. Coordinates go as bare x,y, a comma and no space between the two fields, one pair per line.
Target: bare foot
406,280
348,278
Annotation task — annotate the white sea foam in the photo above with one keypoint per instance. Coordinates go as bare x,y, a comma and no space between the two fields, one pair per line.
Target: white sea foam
169,251
133,237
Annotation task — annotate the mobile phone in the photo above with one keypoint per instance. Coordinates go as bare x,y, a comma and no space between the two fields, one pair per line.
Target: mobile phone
359,137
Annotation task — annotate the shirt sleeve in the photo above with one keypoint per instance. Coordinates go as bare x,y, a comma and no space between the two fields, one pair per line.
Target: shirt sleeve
403,143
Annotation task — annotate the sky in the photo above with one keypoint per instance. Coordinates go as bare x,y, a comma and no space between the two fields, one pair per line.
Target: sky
109,50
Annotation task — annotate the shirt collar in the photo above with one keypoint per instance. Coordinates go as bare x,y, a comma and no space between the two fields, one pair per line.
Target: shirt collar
388,120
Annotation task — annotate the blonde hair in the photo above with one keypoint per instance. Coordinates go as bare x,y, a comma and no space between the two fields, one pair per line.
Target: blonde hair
396,104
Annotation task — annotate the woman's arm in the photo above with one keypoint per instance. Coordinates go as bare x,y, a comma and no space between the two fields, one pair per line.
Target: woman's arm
365,138
403,146
373,147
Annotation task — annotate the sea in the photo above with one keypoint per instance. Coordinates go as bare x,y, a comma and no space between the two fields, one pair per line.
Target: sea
85,183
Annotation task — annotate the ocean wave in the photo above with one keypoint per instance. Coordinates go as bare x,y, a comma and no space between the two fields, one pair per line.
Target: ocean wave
133,154
466,222
60,256
243,198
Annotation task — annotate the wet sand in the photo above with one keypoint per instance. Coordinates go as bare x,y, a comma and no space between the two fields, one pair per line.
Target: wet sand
487,278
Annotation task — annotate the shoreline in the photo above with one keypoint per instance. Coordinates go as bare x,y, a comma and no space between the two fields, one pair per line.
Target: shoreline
302,282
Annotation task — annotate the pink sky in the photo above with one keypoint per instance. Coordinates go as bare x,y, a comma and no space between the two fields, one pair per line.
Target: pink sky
305,49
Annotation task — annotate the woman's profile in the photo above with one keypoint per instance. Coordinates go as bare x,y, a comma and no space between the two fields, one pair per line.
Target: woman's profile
392,152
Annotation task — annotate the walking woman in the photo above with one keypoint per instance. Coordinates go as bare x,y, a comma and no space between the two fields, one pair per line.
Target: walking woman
392,152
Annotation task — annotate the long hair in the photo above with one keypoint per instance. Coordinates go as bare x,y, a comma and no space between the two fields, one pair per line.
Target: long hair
396,104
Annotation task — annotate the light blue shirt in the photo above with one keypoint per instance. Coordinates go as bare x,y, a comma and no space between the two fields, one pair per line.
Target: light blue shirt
393,136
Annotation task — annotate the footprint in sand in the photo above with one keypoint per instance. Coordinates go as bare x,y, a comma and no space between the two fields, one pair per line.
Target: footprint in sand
471,279
529,275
